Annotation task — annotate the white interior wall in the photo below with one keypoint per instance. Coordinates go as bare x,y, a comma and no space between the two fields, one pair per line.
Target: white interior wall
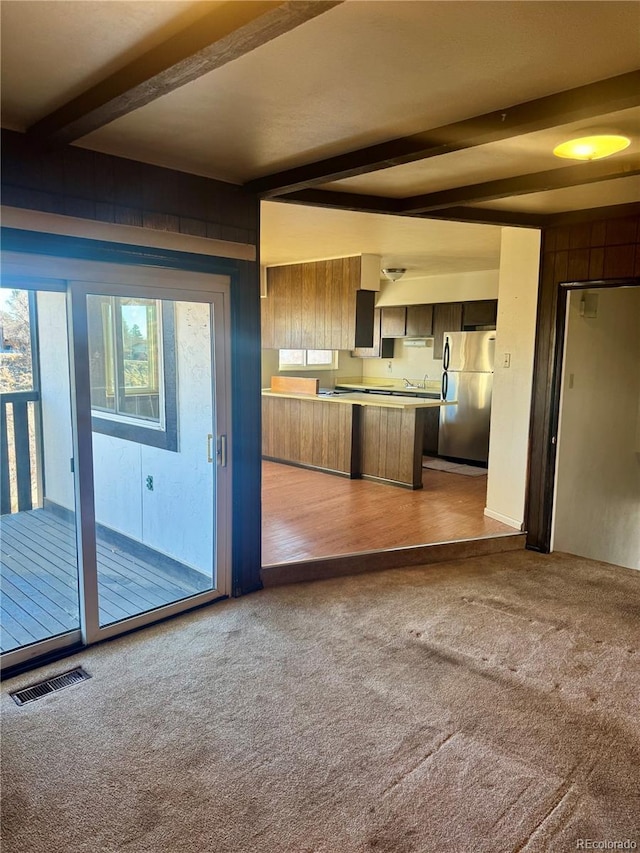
408,362
452,287
597,510
511,402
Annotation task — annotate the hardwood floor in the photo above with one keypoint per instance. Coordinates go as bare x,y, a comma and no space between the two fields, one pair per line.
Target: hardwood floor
309,514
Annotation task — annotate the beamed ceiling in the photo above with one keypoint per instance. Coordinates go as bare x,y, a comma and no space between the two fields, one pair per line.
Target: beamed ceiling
436,110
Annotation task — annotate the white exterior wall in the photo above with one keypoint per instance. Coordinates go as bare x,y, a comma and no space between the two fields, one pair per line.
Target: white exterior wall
597,510
176,518
55,395
511,402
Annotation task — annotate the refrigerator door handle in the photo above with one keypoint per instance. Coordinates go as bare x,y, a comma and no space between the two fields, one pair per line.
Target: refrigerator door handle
445,385
446,354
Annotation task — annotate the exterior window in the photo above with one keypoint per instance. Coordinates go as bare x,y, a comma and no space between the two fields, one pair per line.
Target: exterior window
308,359
131,357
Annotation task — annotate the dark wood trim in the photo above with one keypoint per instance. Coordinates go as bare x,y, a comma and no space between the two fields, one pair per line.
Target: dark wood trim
228,32
552,179
570,255
392,206
574,217
358,202
246,448
583,102
487,216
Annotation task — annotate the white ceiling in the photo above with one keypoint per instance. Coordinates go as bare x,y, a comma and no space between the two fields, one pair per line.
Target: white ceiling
292,233
361,73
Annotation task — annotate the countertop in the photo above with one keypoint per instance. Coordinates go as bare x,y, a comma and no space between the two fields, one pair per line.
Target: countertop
354,398
395,385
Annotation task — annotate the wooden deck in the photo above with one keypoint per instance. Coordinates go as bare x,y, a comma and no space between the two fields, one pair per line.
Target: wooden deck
39,579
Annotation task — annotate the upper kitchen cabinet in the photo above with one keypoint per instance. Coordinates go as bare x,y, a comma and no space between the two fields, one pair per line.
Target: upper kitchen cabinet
382,347
419,321
479,315
394,322
447,317
321,305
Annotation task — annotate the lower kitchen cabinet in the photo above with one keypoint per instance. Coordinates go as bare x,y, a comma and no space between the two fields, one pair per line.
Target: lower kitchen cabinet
312,433
356,440
391,444
431,431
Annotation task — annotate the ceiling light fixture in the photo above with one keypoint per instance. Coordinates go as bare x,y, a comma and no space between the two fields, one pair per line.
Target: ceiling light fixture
592,147
393,273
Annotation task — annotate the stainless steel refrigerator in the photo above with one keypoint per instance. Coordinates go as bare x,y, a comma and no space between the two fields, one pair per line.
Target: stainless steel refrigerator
467,377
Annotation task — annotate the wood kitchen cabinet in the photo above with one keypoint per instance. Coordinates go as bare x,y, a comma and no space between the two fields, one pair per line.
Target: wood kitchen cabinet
447,317
431,431
320,305
382,347
312,433
394,322
419,321
484,312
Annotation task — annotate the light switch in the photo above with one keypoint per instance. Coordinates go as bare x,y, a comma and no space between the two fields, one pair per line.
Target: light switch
506,361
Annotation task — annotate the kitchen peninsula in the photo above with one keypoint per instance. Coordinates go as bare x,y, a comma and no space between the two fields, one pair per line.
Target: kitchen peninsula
354,434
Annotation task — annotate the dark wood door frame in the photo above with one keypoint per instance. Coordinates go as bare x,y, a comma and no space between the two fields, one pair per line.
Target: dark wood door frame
548,474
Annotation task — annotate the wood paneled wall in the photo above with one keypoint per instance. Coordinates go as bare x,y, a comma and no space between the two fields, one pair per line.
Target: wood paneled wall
308,432
598,251
317,305
75,182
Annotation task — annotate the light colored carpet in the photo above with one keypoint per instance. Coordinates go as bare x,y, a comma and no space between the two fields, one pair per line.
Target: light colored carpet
453,467
483,705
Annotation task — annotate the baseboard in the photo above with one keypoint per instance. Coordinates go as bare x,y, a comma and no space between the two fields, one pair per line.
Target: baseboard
376,561
505,519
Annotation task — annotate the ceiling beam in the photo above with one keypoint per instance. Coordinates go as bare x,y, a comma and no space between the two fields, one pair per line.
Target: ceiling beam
537,182
345,201
228,32
393,206
485,216
583,102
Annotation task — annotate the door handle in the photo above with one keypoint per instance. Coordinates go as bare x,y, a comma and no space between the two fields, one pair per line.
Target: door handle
209,441
445,385
221,451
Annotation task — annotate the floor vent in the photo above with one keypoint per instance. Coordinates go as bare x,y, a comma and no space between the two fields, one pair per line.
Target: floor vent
43,688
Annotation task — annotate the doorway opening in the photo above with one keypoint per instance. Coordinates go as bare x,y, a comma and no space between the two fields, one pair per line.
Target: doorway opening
597,490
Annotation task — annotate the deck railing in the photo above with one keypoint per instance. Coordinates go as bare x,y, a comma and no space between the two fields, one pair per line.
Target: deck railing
20,452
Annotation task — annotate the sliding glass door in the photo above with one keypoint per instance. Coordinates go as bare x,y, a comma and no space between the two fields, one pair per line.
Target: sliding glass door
38,554
133,448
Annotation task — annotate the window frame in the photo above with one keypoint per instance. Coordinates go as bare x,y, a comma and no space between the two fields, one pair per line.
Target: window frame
130,428
286,366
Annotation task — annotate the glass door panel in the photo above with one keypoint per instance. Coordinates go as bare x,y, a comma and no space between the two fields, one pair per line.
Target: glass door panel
39,561
153,414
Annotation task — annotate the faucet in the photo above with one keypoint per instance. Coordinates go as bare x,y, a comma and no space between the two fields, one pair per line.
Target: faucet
416,385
